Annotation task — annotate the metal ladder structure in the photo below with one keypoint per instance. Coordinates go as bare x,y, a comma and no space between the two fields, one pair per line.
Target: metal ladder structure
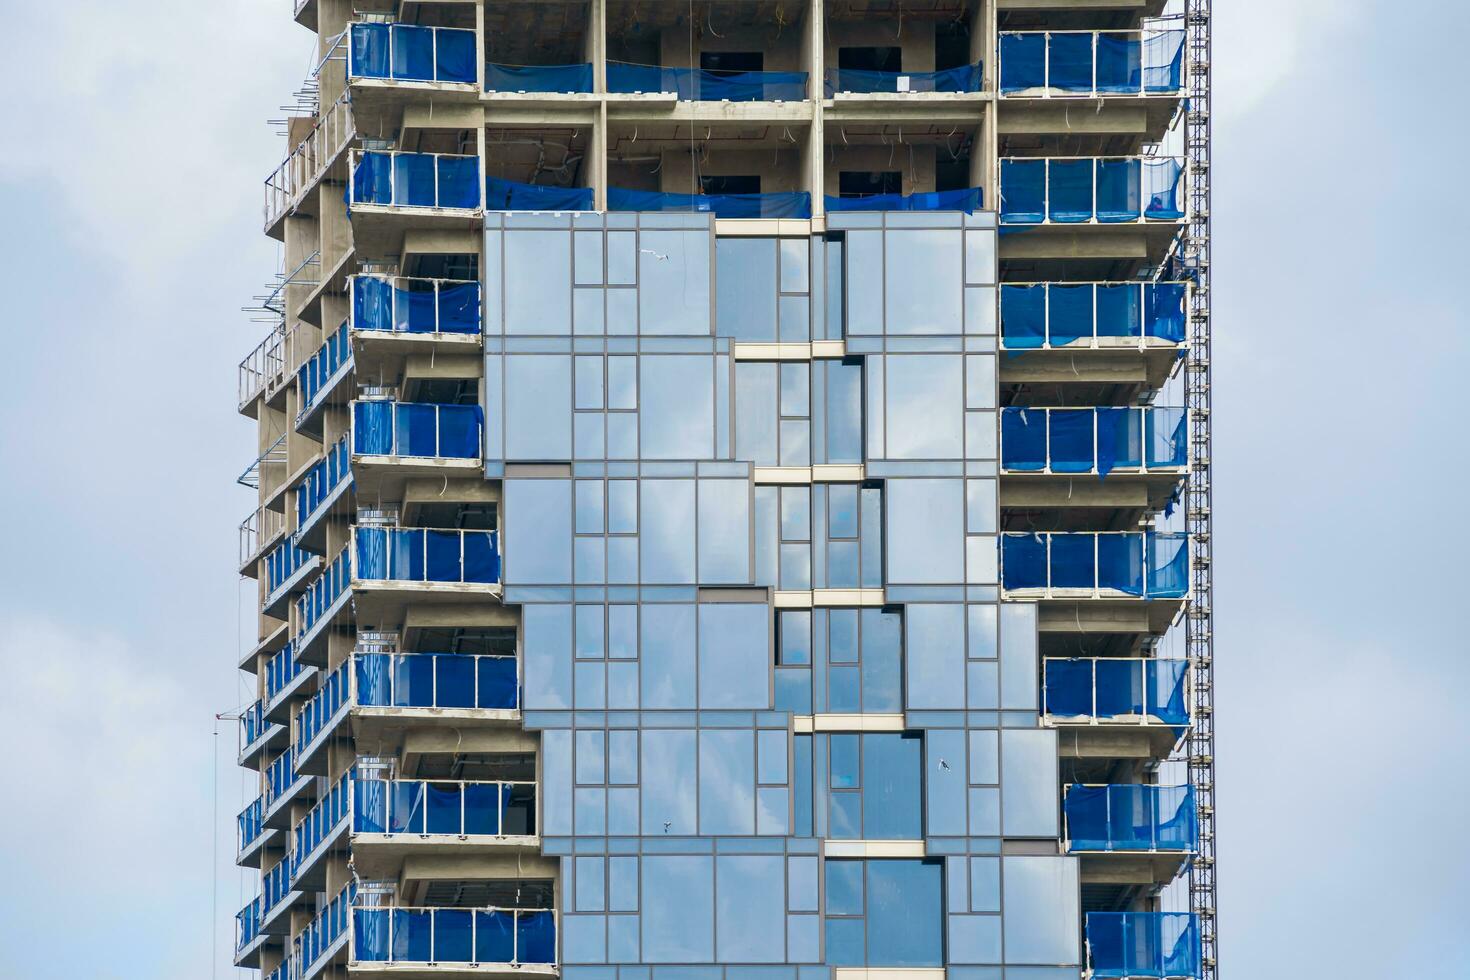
1199,633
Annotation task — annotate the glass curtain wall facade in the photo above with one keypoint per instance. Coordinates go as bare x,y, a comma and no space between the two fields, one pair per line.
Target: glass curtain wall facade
711,542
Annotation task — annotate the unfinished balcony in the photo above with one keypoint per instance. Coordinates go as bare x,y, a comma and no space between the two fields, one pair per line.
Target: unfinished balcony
1115,708
1132,333
263,372
1133,583
1089,217
1137,458
253,836
320,833
393,317
286,679
1130,81
249,938
929,161
393,66
278,894
394,191
395,441
728,169
290,187
416,942
1143,945
324,491
260,532
398,819
258,735
1131,838
284,786
324,940
287,569
324,380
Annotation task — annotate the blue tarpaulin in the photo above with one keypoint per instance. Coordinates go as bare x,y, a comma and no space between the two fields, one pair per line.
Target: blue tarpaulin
1110,190
510,195
1164,311
424,180
1161,189
1023,439
966,199
1162,945
1114,688
436,680
700,85
1087,62
372,181
413,429
1023,316
317,373
785,204
427,555
1069,312
1057,314
408,52
1130,817
1022,191
538,78
965,78
1152,564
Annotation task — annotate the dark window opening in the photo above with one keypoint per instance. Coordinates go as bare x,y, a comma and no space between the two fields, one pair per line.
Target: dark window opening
861,183
732,184
870,59
731,62
952,46
462,267
952,175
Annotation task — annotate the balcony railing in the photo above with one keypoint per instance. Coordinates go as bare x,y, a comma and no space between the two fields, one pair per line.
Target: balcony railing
317,373
320,820
1129,817
309,161
324,590
567,79
1090,190
275,884
1092,440
1088,314
395,304
409,53
280,671
455,808
1154,945
324,930
264,366
965,78
700,85
251,822
1096,564
322,481
1072,64
247,924
280,776
415,180
253,725
257,530
284,561
451,935
1106,688
436,680
321,708
414,429
425,555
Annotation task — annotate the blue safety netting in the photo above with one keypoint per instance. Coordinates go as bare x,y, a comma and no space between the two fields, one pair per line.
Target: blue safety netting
1117,190
319,371
1107,688
1071,443
1119,439
1163,945
454,936
427,555
413,807
1163,305
1023,561
1161,188
1023,439
510,195
700,85
781,204
415,305
1118,309
1069,313
538,78
966,199
436,680
1168,564
1130,817
1084,62
427,180
1166,437
407,52
389,428
322,480
1023,191
1081,440
323,593
1023,316
965,78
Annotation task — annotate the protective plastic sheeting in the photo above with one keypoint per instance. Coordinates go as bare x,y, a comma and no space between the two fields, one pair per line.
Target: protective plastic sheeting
1159,945
1087,63
408,52
1130,817
965,78
966,199
538,78
784,204
510,195
700,85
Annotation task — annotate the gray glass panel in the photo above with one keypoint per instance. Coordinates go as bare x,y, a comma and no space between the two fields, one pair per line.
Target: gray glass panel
755,413
726,782
944,783
926,531
588,257
745,294
538,407
934,655
1028,770
750,908
676,417
538,532
673,282
1041,909
548,656
1018,671
924,406
538,282
589,381
724,532
678,908
923,284
665,515
864,282
668,679
844,412
734,656
670,758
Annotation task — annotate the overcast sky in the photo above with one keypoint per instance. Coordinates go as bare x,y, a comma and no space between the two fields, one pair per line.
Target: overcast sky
131,187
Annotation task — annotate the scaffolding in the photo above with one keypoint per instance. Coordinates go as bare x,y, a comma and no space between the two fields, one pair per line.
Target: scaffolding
1199,634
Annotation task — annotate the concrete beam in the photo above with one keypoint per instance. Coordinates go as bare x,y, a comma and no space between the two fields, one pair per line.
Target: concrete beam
453,366
441,241
473,490
450,116
1083,490
1093,243
1071,367
1081,116
449,741
433,867
1056,616
428,616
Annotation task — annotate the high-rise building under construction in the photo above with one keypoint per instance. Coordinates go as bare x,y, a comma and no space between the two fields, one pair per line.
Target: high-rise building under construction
733,495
